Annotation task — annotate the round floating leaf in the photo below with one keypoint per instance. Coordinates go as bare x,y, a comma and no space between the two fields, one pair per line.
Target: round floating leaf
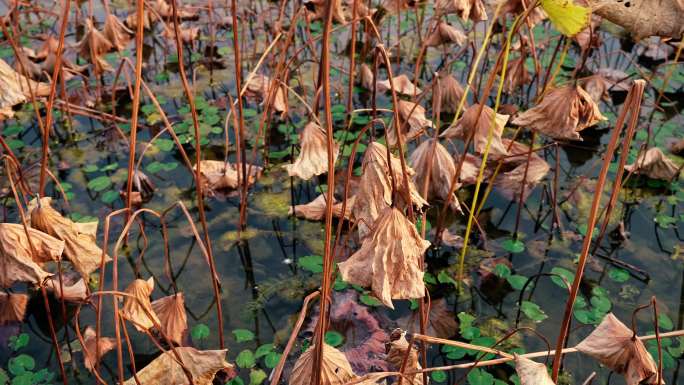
199,332
439,376
618,275
565,273
334,338
502,270
665,322
243,335
272,359
109,196
312,263
517,281
533,311
19,341
601,304
245,359
369,300
257,376
262,350
513,245
100,183
236,381
21,364
480,377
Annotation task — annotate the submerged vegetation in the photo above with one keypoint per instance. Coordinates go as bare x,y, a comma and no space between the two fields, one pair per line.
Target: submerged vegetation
335,192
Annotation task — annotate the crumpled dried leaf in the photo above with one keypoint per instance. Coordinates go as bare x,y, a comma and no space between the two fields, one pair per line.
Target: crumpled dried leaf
516,75
50,45
654,164
218,175
138,310
165,10
445,34
509,184
441,173
148,19
187,34
450,93
396,353
317,9
402,85
516,7
72,289
93,45
394,6
375,187
615,346
18,263
531,373
335,369
15,89
80,246
442,321
470,121
562,114
589,37
258,87
12,307
366,77
202,364
313,156
315,210
412,114
389,259
676,146
90,349
172,317
116,32
467,9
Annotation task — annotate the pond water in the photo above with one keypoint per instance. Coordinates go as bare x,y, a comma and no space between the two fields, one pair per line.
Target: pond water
266,270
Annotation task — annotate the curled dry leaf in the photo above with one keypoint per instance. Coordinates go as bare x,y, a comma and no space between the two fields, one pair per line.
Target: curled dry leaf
12,307
116,32
516,7
335,369
467,9
15,89
218,175
654,164
389,259
80,246
450,93
442,321
589,38
470,121
396,354
676,146
138,310
317,9
531,373
510,183
93,345
394,6
72,289
516,75
413,115
432,158
93,45
172,317
259,86
445,34
562,114
402,85
19,263
50,45
165,10
375,187
366,77
615,346
149,18
187,34
165,369
315,210
313,156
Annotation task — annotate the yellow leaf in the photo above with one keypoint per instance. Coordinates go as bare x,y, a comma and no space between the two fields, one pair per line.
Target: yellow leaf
568,17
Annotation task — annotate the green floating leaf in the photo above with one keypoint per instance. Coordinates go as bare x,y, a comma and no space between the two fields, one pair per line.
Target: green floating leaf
429,278
312,263
243,335
444,277
369,300
517,281
618,275
533,311
272,359
257,376
665,322
600,303
109,196
21,364
333,338
236,381
565,273
262,350
513,245
19,341
480,377
439,376
245,359
502,271
100,183
199,332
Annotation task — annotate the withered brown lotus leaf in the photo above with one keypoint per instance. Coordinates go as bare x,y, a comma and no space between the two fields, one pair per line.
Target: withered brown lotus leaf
72,289
116,32
187,34
25,66
165,369
172,317
218,175
596,86
366,77
589,36
165,10
149,18
654,164
138,310
516,75
80,246
317,10
18,262
467,9
445,34
562,114
335,368
516,7
396,354
432,158
470,122
509,183
614,345
402,85
315,210
92,343
93,45
15,89
313,156
450,92
389,259
676,146
50,45
375,187
258,87
442,321
394,6
12,307
413,115
531,373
